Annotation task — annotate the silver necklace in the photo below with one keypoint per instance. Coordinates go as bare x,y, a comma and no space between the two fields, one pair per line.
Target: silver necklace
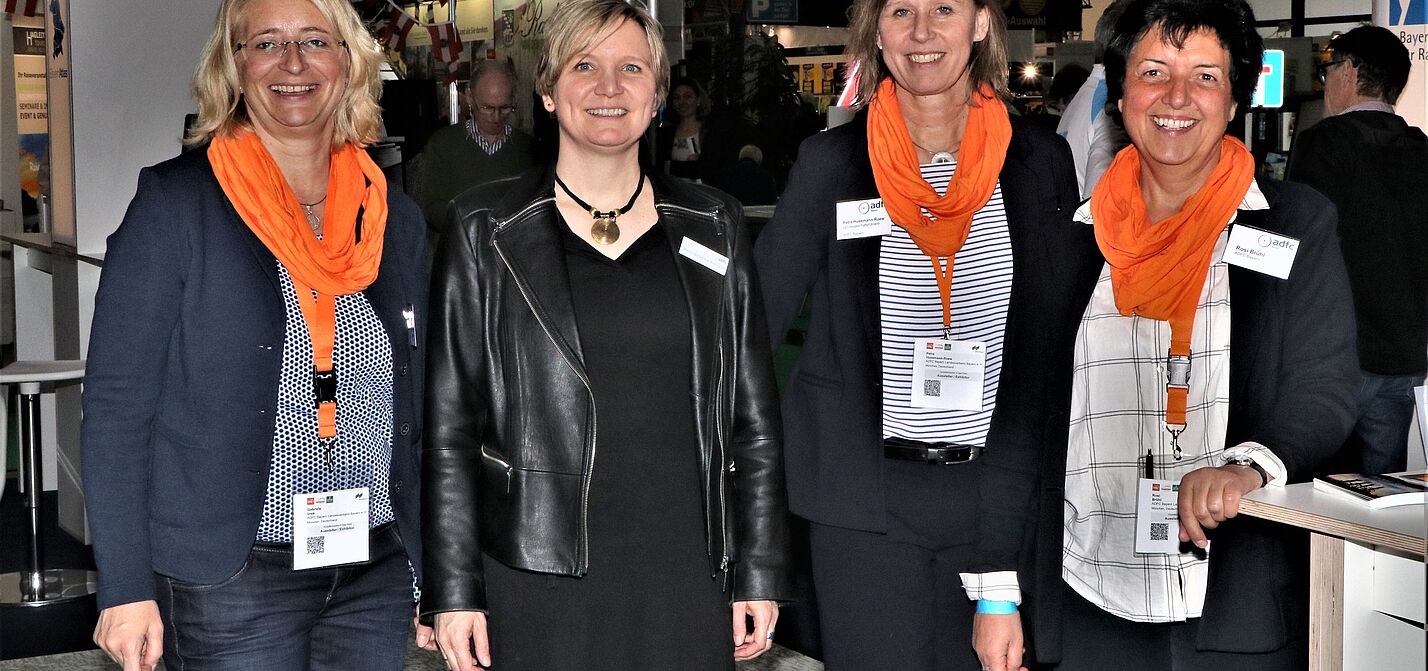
312,219
937,156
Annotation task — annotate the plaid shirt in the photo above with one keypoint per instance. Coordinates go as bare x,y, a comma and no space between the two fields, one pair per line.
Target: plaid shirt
1117,414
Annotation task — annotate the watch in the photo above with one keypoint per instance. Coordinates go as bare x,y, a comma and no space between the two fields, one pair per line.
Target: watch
1241,460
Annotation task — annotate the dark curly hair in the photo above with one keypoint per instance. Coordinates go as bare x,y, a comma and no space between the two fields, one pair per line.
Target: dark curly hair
1232,21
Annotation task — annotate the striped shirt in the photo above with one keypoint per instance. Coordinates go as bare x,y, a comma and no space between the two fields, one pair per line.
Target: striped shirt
1117,413
912,308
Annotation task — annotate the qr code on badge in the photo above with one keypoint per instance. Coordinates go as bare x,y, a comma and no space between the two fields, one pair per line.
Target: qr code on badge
317,545
932,387
1159,531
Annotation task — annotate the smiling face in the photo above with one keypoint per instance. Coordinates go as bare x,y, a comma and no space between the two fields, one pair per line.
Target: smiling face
926,44
290,93
1178,101
604,98
684,101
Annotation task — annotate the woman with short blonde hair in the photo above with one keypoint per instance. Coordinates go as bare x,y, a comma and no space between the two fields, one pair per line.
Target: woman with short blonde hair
604,477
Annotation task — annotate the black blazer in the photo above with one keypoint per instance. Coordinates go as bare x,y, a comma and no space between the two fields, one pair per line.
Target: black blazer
181,391
1293,380
833,403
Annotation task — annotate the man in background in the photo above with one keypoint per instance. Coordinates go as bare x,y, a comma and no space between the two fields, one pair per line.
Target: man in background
484,149
1371,164
1093,135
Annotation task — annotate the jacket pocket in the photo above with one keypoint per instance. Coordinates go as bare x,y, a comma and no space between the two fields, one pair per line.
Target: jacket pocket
495,471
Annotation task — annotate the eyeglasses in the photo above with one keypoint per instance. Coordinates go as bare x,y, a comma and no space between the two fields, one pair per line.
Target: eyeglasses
496,109
1322,70
270,51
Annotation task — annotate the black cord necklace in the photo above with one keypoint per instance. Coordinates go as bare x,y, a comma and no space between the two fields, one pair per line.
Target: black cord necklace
604,229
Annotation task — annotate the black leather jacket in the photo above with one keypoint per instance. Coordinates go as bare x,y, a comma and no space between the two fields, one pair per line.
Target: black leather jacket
510,434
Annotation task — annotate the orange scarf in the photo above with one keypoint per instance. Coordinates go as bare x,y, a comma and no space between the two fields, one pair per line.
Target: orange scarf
1158,270
343,262
906,194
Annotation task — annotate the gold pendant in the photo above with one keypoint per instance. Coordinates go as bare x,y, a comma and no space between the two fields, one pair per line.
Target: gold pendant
605,231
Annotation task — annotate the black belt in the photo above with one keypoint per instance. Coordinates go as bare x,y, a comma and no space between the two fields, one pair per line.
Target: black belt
932,453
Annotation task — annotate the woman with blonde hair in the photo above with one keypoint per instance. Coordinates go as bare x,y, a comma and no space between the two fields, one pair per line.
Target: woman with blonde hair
252,409
604,486
933,241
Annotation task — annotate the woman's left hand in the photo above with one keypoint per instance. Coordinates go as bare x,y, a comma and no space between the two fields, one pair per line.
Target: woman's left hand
425,636
998,641
751,644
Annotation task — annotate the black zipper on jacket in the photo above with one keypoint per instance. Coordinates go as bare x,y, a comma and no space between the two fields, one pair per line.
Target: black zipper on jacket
720,437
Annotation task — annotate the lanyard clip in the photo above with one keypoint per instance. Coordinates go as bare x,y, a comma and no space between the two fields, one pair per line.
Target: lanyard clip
324,385
1177,371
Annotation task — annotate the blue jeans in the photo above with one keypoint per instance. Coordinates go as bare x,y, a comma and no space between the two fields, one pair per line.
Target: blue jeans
1385,413
269,617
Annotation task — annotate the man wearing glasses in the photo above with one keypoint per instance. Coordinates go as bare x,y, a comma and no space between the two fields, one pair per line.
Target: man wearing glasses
484,149
1370,163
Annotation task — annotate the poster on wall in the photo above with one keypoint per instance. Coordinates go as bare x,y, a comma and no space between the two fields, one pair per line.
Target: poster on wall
32,116
474,20
1408,19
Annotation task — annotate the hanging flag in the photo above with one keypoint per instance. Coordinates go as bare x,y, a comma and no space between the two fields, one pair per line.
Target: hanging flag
23,7
445,42
394,33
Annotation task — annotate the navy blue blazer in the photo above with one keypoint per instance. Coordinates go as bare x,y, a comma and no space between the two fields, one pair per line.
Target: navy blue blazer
1293,380
180,395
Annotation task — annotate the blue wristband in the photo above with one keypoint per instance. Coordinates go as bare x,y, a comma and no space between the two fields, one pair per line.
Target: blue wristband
996,607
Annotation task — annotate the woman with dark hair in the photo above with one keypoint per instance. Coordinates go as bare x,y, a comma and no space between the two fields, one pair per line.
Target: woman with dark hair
680,146
254,373
603,447
1215,357
933,238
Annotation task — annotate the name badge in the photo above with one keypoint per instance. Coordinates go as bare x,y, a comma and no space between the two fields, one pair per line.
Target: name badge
330,528
1261,251
863,219
1157,522
704,256
948,374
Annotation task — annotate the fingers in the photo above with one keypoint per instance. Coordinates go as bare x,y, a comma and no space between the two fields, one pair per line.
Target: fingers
741,627
757,642
455,633
425,636
482,641
132,634
153,646
1014,650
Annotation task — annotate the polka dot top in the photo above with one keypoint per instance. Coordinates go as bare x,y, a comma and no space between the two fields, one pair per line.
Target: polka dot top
362,456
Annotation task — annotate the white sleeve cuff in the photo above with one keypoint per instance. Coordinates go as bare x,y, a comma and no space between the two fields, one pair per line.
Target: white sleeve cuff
1278,474
994,586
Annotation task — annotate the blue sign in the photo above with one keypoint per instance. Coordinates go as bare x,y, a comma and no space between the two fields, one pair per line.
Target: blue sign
1407,12
1270,91
773,11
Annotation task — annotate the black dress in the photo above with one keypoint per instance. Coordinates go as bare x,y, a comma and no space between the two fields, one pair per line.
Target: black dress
648,601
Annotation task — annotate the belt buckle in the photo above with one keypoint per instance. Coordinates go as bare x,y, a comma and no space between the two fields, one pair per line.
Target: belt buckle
950,453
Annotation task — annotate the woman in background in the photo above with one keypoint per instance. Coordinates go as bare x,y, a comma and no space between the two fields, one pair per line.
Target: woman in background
681,146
